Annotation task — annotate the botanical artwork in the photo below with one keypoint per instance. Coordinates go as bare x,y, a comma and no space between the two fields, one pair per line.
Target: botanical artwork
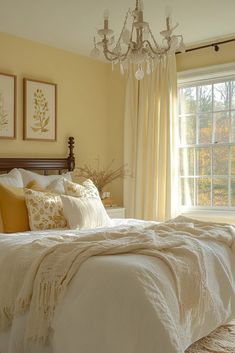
39,110
7,106
4,123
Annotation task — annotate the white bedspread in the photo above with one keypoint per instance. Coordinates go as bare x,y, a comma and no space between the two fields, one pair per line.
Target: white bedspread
112,304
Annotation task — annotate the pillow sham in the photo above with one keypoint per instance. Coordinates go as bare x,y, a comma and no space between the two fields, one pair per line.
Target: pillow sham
43,180
84,213
13,209
45,210
13,178
87,189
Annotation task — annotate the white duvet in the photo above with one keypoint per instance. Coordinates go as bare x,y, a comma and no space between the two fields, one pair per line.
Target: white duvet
112,305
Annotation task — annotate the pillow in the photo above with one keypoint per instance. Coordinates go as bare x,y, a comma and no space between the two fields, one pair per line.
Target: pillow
43,180
45,210
13,209
56,186
13,178
84,213
87,189
1,224
33,185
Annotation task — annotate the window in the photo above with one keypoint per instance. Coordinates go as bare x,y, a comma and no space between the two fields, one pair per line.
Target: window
207,144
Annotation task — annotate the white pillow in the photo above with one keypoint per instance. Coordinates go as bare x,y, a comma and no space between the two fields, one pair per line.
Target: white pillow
43,180
84,213
13,178
57,186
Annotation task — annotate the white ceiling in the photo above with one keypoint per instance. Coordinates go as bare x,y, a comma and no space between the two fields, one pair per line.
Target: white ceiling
71,24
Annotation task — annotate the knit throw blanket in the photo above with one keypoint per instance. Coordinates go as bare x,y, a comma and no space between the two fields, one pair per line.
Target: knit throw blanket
42,270
221,340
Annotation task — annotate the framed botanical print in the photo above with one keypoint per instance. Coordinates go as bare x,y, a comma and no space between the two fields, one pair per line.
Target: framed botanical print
7,106
40,110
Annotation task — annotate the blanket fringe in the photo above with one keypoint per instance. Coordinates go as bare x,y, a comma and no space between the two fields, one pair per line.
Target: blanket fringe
221,340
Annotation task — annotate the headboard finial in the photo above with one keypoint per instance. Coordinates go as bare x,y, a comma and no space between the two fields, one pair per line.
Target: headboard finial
71,158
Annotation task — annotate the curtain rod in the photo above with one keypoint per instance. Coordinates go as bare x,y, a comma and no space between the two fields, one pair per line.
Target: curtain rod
215,45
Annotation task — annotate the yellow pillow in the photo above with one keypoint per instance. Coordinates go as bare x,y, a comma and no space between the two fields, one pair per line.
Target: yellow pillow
1,225
13,209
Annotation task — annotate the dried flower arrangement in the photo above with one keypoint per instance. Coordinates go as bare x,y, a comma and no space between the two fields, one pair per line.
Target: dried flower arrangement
100,175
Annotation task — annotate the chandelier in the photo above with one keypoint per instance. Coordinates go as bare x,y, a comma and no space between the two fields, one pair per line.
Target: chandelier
137,45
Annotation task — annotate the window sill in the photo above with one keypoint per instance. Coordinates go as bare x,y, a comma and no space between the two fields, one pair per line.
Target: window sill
223,216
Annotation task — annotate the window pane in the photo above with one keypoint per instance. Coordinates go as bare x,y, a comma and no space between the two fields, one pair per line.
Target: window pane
205,128
232,126
220,160
188,130
232,83
187,191
203,191
203,161
220,192
187,161
233,192
188,100
233,160
221,96
222,127
205,98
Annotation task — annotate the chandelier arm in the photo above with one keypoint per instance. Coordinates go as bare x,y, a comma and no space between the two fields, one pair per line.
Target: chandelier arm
160,51
115,56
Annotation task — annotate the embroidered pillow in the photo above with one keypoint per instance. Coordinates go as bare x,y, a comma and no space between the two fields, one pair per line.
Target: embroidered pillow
45,210
85,213
87,189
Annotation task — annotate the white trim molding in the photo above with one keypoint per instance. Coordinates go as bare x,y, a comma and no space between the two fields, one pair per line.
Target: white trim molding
206,73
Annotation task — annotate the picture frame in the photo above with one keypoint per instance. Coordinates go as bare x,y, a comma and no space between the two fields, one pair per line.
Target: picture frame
39,110
7,106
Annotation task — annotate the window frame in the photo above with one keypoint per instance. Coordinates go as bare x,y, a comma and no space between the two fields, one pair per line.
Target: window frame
196,77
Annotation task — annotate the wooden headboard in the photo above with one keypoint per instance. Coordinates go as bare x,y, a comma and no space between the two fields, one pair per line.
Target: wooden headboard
42,164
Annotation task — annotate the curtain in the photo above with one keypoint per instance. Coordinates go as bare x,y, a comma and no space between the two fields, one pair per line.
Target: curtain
150,139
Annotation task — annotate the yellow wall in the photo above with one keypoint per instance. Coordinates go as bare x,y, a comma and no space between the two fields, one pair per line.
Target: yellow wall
90,100
86,108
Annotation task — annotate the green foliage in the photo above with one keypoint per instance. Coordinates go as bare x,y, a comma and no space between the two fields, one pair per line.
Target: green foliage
3,115
207,117
41,118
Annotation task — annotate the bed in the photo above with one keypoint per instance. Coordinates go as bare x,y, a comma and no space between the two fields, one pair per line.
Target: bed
141,287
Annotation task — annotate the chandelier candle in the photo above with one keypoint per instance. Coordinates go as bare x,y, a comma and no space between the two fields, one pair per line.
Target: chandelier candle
137,45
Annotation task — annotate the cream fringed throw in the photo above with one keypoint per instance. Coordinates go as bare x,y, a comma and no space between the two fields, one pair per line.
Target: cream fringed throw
47,267
221,340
